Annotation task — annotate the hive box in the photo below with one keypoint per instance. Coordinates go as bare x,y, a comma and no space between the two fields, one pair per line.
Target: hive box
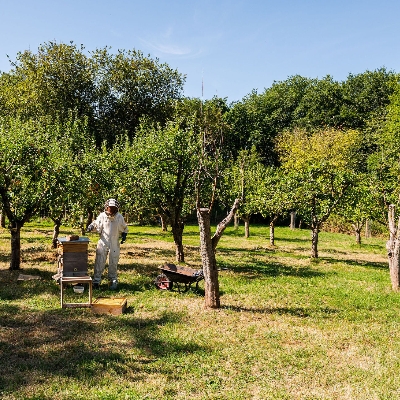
107,305
73,256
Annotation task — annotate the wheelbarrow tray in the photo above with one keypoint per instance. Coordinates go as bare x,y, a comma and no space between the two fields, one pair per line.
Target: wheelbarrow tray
172,273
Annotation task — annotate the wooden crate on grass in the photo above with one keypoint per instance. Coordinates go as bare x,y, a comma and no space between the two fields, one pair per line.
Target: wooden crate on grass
109,305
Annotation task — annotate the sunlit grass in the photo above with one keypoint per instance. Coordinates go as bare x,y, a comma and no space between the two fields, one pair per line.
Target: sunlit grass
288,327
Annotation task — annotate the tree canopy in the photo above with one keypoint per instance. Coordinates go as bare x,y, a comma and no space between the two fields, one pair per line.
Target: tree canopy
113,91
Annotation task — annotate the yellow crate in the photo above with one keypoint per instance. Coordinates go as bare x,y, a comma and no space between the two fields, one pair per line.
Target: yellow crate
109,305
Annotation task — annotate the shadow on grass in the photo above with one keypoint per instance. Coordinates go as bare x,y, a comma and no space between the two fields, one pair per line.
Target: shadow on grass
44,275
370,246
272,269
143,269
146,252
356,263
306,241
235,250
5,257
75,344
262,251
156,235
183,289
14,289
35,239
301,312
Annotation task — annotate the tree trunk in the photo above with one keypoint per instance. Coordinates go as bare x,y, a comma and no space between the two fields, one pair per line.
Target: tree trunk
90,218
164,223
246,220
211,284
272,230
358,237
56,228
177,233
272,233
3,220
357,230
15,263
208,247
293,220
393,249
367,229
315,225
56,232
82,226
236,222
314,241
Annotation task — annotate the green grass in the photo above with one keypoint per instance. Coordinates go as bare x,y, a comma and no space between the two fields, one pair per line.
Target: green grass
288,327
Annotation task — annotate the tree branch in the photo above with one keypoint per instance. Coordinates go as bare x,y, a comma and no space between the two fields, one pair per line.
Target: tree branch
224,223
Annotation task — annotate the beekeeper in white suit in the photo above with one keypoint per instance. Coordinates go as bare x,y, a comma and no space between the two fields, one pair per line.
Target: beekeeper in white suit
110,224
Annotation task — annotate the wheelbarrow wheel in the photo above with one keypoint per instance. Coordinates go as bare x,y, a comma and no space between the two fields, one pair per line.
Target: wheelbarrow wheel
163,283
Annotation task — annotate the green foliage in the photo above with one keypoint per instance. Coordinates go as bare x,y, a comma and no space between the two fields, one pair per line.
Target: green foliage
320,105
113,91
357,103
258,119
131,86
96,101
214,157
159,170
366,96
52,82
31,166
321,167
243,181
276,196
384,163
363,201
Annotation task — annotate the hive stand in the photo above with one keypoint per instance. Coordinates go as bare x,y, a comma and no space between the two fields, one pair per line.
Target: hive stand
78,279
72,260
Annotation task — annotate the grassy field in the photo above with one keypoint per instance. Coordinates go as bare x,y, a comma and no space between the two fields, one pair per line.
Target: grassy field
288,327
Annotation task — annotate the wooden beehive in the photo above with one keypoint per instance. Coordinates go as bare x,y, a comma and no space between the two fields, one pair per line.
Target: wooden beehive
73,256
107,305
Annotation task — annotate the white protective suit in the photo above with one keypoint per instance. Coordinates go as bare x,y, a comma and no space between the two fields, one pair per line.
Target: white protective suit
110,228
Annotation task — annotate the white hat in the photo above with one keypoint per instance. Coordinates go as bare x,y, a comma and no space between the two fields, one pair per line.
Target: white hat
111,203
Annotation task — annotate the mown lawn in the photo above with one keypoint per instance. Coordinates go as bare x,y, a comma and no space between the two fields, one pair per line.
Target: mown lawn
288,328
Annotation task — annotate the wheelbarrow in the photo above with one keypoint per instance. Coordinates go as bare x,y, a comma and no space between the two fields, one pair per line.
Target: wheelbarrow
171,273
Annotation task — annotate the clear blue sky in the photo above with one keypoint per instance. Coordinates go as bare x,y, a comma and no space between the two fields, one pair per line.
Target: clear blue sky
233,46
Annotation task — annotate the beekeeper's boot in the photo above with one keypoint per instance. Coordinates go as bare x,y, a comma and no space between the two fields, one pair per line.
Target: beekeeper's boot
113,284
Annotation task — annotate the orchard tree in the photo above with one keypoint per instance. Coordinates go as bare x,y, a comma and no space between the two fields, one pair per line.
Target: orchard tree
30,166
363,203
73,140
209,175
245,177
321,167
55,80
158,174
96,169
275,197
84,176
385,167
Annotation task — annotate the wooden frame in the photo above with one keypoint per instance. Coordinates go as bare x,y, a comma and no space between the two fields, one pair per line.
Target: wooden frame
76,279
